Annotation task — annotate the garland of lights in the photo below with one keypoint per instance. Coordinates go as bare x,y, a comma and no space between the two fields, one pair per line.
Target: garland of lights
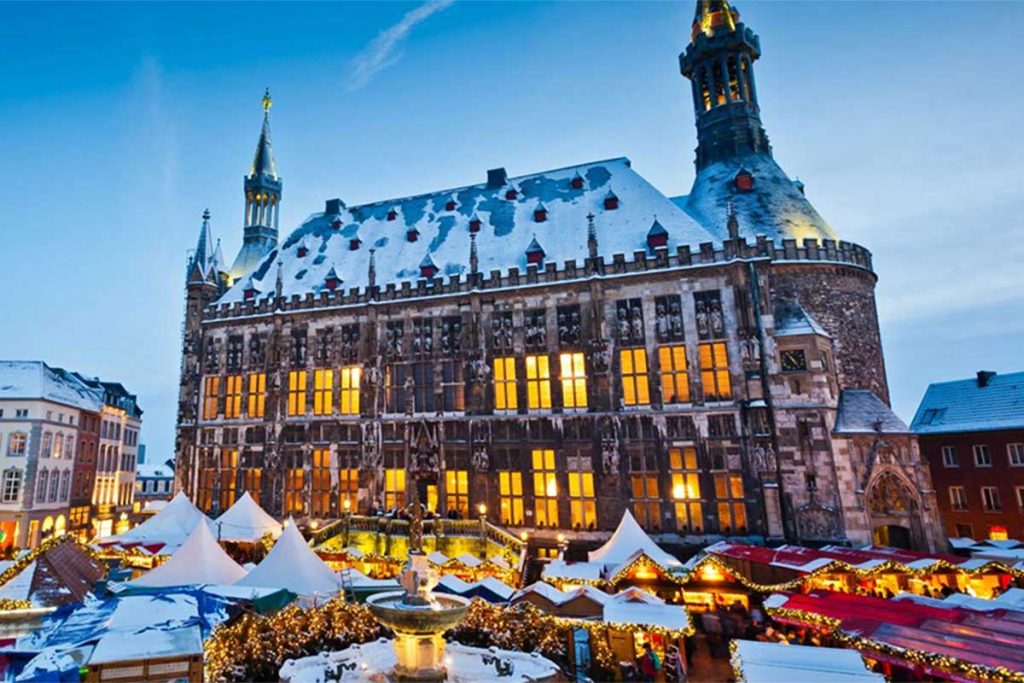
28,558
921,658
640,562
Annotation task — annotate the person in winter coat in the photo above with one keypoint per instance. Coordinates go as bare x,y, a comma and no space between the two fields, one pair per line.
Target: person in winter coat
650,665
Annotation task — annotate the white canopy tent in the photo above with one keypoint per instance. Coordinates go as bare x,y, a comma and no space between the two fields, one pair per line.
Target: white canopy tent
246,522
165,531
757,662
292,564
199,560
626,541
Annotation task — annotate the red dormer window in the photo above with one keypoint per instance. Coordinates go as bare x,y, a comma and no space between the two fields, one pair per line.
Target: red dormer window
577,183
249,294
392,214
744,181
412,234
511,195
540,215
535,257
474,225
450,206
611,202
336,224
332,283
301,251
428,270
354,244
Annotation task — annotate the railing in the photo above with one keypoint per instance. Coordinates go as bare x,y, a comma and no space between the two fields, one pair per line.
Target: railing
431,527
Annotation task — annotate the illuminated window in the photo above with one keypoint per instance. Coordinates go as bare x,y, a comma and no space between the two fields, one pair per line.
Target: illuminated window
574,380
257,394
675,379
732,516
211,390
545,488
348,488
251,481
582,506
510,490
16,443
323,392
348,403
714,371
233,396
643,484
538,382
293,490
634,377
205,498
320,503
505,384
394,488
457,491
58,444
957,498
297,392
228,468
682,464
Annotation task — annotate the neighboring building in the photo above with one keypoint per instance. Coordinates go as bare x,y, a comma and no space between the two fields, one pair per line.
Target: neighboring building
154,481
83,479
972,434
560,346
40,417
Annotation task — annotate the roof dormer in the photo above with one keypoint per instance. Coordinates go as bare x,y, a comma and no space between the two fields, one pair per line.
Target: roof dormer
428,268
534,252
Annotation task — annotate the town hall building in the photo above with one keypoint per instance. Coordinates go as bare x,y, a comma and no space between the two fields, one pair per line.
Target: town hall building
559,347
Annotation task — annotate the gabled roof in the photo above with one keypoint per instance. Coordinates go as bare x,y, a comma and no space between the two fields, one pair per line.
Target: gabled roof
199,560
791,319
626,541
292,564
966,406
246,521
33,379
861,412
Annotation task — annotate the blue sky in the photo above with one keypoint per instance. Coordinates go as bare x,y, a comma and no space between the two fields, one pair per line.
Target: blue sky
120,123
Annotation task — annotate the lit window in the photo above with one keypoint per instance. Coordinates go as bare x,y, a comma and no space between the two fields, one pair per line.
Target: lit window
643,485
457,491
58,444
233,396
16,444
323,392
982,456
211,392
1015,451
349,398
204,499
634,377
682,464
545,488
582,506
228,470
293,489
538,382
675,379
510,490
505,384
957,498
574,380
394,488
251,481
257,394
732,516
348,488
950,458
714,371
990,499
321,494
297,392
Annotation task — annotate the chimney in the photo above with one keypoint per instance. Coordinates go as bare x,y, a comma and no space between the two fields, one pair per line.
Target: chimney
983,378
334,207
496,177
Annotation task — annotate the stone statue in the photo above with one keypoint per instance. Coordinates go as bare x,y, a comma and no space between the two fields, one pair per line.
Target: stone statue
717,323
675,321
481,460
703,326
410,396
610,456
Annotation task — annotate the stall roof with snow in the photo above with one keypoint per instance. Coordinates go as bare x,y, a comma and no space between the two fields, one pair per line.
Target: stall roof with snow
292,564
61,573
246,522
199,560
757,662
627,540
165,531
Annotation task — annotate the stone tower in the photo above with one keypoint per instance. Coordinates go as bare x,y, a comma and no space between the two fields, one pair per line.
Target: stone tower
719,61
262,204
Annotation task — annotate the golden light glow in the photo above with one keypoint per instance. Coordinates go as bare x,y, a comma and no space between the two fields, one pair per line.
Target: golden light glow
678,491
710,572
552,487
574,380
314,525
482,509
347,504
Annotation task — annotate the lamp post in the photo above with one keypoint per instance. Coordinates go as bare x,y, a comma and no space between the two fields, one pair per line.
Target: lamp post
563,545
346,518
482,509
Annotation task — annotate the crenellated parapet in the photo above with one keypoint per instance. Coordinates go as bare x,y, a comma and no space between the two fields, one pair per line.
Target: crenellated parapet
684,257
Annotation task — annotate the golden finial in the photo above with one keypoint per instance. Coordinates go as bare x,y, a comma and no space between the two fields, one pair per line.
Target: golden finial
267,102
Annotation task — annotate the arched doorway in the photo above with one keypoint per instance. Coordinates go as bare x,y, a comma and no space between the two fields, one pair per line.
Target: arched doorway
893,507
893,535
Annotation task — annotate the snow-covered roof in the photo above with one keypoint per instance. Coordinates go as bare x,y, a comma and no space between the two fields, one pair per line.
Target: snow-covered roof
35,379
361,580
507,228
791,319
560,569
861,412
153,470
166,530
1012,599
626,541
199,560
641,613
758,662
775,207
292,564
246,521
965,406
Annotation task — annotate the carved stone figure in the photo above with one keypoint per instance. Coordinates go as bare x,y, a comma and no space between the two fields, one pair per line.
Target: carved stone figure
623,323
636,325
600,356
661,325
410,396
703,325
817,522
610,456
481,461
890,496
675,321
717,323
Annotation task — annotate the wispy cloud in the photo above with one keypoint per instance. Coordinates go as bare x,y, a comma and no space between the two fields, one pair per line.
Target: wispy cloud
385,49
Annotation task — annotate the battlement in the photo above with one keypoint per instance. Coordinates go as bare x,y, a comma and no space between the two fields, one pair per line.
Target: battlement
684,257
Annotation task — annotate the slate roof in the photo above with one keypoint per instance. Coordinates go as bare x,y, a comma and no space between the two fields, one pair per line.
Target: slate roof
792,319
963,406
35,379
861,412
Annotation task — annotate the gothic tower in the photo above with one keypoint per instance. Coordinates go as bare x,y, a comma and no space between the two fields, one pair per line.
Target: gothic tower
719,61
262,203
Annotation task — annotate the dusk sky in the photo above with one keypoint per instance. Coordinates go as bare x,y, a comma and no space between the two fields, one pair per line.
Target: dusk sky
120,123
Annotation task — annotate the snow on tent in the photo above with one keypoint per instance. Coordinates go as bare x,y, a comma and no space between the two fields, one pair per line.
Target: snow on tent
246,522
165,531
626,541
292,564
199,560
757,662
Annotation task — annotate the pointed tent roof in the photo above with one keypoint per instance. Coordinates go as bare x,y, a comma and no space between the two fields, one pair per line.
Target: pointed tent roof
263,161
626,541
168,529
200,559
246,521
293,565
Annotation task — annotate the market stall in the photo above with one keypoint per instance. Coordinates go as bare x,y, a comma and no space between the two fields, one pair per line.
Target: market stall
757,662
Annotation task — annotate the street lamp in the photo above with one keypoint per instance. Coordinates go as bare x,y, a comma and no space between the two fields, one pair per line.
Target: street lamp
563,545
346,518
482,509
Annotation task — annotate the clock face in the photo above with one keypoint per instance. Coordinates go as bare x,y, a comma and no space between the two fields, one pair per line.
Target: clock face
793,360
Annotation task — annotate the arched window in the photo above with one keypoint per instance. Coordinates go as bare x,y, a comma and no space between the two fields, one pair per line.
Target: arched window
69,447
60,526
47,444
58,444
54,485
65,485
44,480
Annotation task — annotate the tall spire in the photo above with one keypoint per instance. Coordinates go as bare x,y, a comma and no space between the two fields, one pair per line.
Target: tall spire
262,202
204,255
719,61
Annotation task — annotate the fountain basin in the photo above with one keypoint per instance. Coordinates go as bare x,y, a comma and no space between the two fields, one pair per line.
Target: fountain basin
418,622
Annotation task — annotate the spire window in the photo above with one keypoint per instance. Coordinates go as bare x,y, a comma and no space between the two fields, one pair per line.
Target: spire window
744,181
540,214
